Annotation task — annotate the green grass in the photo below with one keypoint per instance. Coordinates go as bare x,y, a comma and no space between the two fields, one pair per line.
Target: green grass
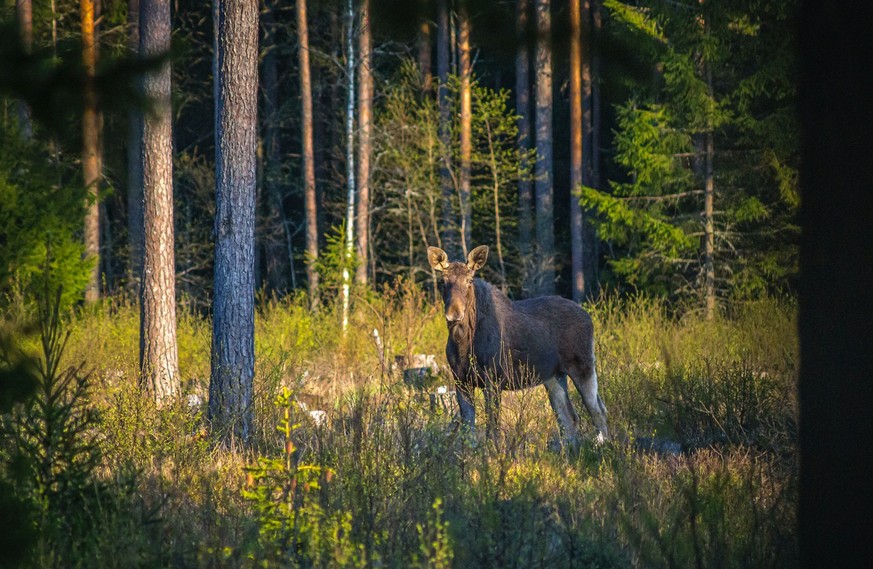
389,482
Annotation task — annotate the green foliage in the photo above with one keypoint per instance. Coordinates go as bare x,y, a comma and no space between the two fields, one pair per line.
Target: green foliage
727,69
293,527
51,461
435,544
409,156
335,260
40,215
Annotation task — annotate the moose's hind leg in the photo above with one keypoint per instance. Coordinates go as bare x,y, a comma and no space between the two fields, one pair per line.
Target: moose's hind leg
585,380
568,419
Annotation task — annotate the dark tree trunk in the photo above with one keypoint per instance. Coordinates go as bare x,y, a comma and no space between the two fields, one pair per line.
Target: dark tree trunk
593,284
424,47
158,353
236,120
308,154
447,231
24,9
365,116
134,166
545,230
465,72
279,258
836,299
522,109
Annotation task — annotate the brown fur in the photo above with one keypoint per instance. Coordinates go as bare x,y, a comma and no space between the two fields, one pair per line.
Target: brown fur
497,344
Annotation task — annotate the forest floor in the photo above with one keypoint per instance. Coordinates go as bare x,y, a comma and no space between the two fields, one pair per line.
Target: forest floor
701,469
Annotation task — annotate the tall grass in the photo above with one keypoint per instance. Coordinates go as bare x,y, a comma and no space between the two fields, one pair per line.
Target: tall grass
390,481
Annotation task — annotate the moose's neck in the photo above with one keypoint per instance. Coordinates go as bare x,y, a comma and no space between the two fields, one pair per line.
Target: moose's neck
463,331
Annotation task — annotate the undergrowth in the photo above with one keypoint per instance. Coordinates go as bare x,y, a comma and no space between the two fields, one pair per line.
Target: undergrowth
701,470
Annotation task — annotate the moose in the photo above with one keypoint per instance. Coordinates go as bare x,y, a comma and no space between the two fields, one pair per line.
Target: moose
495,344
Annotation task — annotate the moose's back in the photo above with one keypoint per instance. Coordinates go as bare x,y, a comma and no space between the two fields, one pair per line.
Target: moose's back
546,335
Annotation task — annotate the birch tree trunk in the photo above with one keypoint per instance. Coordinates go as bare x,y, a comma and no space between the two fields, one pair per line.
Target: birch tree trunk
350,162
236,120
365,115
308,155
576,147
90,143
159,363
545,231
465,72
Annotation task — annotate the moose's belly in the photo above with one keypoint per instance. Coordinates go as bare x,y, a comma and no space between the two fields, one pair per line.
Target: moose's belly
518,371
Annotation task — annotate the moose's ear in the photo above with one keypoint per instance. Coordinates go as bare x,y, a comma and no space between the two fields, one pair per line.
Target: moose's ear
437,258
477,257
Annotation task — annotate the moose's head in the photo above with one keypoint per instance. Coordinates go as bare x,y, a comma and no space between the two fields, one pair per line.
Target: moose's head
457,285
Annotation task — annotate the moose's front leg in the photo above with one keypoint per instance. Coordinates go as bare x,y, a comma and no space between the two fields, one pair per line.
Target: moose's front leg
465,404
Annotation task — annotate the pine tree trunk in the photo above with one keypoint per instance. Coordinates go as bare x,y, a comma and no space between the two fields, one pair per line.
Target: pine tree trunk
365,115
279,258
158,353
236,120
24,9
709,227
708,199
424,48
447,229
595,153
134,166
308,155
545,232
577,229
522,109
465,72
90,158
350,162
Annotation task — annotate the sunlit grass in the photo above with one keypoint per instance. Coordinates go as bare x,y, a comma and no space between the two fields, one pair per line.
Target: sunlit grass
406,487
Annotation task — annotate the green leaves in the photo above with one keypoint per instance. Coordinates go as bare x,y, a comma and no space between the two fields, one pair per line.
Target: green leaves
717,113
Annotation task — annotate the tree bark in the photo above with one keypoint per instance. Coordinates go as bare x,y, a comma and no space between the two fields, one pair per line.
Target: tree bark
465,72
134,165
447,230
236,120
545,231
308,155
424,48
594,148
365,116
24,9
350,162
90,158
522,109
577,228
708,199
159,363
835,296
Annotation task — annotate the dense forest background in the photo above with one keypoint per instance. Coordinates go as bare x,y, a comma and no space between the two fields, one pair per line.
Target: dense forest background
216,299
689,147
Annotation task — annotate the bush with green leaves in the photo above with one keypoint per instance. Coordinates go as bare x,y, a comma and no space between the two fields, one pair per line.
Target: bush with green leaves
41,215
